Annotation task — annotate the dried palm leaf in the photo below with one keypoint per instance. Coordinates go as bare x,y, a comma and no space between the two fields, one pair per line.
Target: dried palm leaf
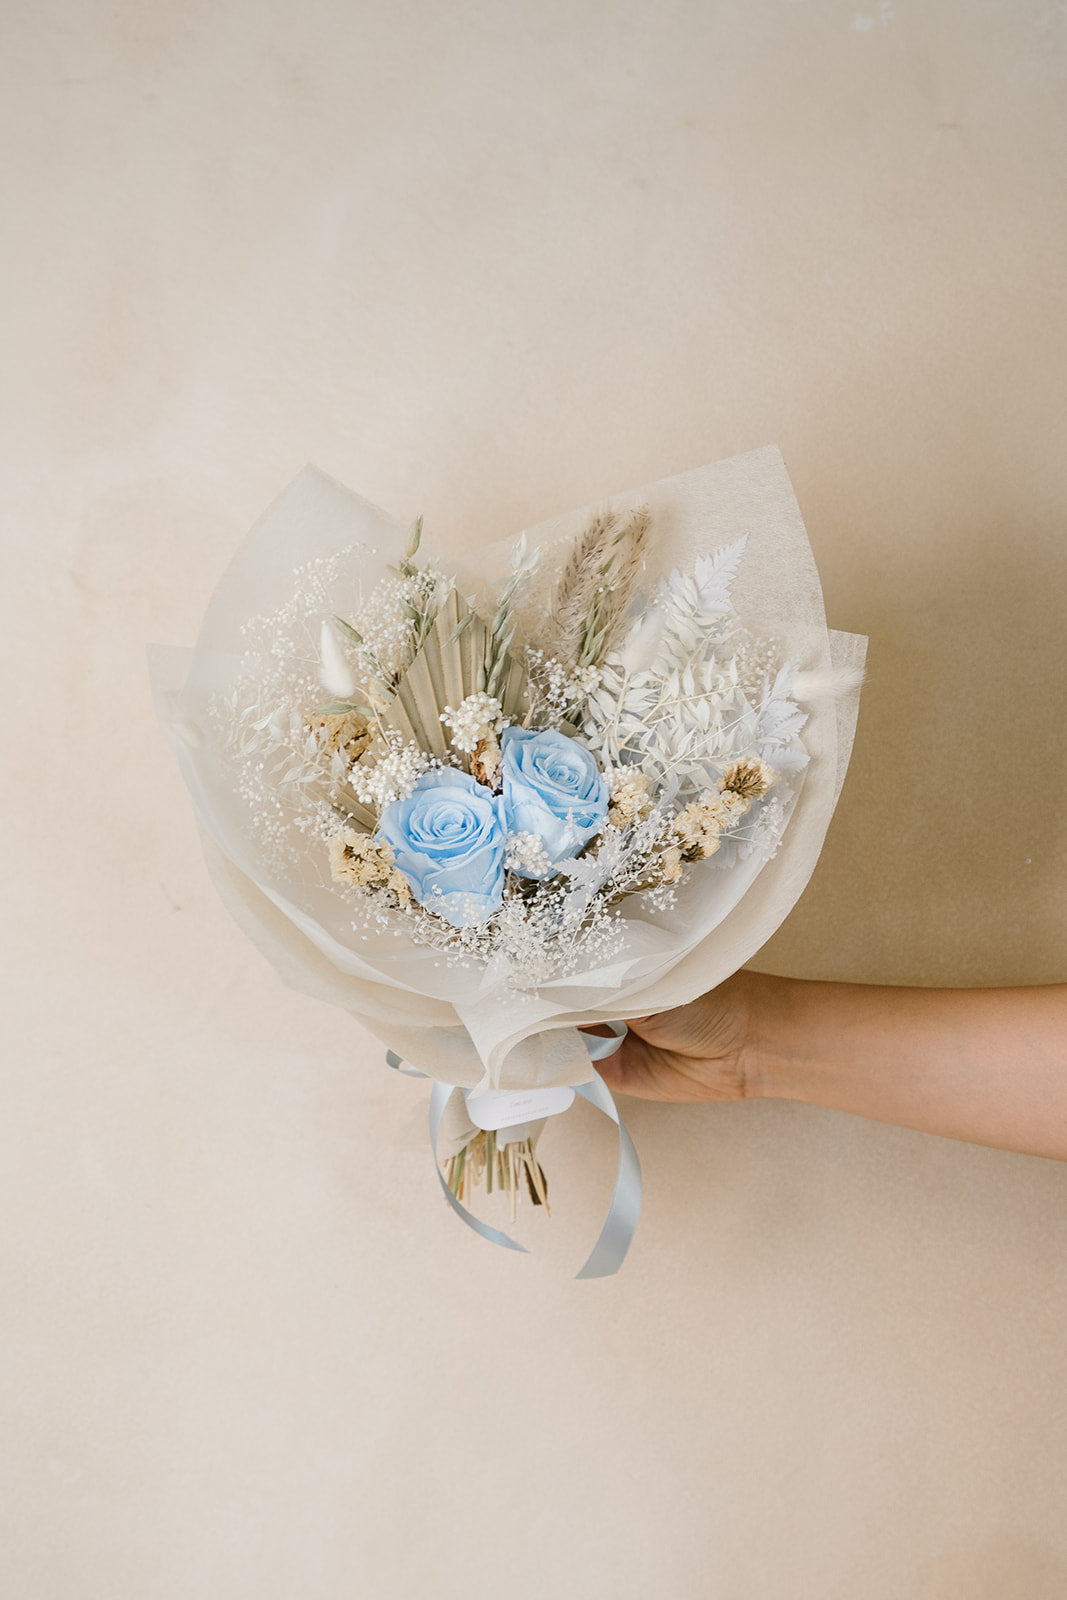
449,667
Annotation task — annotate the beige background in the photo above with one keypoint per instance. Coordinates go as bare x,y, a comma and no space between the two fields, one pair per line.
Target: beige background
489,260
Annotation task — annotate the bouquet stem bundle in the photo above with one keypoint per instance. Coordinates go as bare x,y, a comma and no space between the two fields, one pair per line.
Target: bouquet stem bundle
502,1165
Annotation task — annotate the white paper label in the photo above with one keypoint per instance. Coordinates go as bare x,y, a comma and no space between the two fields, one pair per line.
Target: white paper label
514,1135
503,1108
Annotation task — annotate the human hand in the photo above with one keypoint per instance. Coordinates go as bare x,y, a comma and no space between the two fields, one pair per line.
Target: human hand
701,1051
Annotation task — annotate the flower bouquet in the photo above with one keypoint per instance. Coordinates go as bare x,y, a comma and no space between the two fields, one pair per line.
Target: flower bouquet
482,801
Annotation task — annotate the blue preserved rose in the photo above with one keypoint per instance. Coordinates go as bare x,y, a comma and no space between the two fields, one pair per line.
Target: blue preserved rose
552,787
448,838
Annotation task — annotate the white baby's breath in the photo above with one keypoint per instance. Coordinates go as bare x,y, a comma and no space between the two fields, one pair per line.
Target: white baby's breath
558,693
477,717
526,852
391,776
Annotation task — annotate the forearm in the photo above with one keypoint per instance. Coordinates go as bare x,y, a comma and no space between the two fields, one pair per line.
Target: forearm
985,1065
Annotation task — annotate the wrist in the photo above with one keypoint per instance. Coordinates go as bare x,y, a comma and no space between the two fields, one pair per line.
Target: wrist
772,1064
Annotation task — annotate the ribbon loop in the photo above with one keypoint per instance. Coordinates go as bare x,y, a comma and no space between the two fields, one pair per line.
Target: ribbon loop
439,1098
620,1224
394,1061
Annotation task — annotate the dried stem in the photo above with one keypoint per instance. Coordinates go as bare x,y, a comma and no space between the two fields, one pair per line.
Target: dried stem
504,1167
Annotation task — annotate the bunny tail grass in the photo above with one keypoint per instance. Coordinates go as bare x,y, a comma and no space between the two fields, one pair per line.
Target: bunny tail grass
827,683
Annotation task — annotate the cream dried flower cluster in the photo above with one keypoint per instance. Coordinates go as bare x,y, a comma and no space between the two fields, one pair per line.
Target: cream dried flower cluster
698,829
747,779
366,863
348,732
631,796
700,825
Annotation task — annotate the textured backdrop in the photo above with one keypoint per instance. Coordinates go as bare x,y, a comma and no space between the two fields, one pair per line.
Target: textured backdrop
487,261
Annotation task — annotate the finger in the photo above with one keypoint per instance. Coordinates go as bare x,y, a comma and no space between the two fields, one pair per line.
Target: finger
640,1070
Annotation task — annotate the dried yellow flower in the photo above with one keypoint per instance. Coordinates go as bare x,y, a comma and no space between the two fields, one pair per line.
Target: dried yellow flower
366,863
735,805
670,861
748,778
485,761
630,799
400,886
698,827
346,731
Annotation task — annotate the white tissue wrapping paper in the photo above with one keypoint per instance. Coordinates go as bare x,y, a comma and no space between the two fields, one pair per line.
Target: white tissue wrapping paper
464,1026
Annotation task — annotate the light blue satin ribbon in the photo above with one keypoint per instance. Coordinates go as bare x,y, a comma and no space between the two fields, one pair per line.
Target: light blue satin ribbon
620,1224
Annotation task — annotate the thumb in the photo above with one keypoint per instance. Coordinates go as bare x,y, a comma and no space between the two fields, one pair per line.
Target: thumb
617,1069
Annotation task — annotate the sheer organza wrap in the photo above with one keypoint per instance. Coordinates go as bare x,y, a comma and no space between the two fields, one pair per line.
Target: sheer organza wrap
467,1027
